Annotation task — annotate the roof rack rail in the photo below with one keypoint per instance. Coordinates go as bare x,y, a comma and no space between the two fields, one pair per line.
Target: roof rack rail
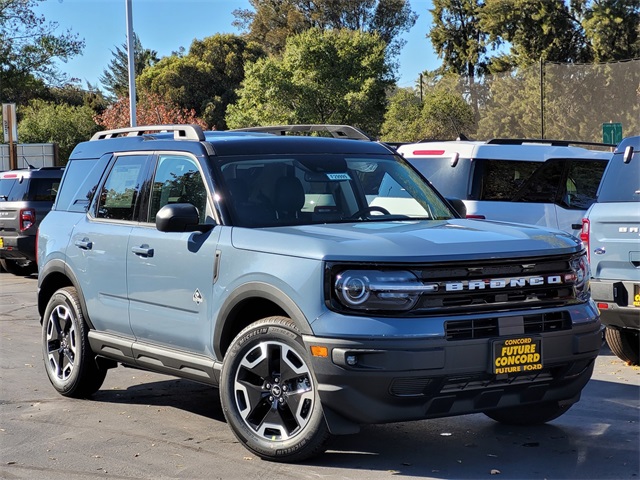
180,132
554,143
336,131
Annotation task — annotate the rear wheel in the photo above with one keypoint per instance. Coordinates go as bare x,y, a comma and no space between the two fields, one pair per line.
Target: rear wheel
269,394
624,343
68,359
533,414
21,268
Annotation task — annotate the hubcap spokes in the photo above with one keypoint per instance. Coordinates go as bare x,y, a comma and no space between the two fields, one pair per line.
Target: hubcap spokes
274,391
61,342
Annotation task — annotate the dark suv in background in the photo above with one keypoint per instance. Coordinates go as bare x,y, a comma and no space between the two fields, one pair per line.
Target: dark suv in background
611,232
26,196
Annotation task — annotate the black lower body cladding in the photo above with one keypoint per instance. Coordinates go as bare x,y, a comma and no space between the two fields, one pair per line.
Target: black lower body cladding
391,380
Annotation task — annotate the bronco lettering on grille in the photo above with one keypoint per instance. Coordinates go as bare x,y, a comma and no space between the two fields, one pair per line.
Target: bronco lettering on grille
497,283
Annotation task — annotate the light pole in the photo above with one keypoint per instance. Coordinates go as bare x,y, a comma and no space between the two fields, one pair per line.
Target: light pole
132,74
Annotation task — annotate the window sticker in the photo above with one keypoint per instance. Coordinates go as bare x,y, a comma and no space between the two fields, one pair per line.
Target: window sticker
338,177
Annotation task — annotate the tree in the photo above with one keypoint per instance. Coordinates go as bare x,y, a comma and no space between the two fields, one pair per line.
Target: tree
612,27
29,46
273,21
65,125
151,109
332,76
441,115
115,78
204,80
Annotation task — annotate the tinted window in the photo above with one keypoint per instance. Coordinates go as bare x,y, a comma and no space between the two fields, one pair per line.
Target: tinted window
43,189
582,184
80,182
500,180
11,190
622,180
120,193
178,180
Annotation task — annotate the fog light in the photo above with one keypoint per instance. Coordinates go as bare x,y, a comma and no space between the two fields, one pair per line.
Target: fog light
352,360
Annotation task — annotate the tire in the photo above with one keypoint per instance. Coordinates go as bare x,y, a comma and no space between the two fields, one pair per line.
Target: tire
22,268
69,361
269,395
532,414
624,343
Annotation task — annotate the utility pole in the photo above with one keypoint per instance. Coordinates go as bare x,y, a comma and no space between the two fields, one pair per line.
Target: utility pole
131,57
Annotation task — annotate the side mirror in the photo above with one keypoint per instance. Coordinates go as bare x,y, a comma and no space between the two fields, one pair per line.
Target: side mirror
180,217
459,206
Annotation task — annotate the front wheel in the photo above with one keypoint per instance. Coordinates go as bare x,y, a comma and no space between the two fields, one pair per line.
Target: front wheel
533,414
69,361
269,395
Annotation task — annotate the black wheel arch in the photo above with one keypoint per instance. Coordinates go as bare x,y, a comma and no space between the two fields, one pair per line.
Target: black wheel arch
56,275
251,302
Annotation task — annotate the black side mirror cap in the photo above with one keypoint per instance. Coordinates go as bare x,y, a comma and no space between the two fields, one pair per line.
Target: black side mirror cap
459,206
180,217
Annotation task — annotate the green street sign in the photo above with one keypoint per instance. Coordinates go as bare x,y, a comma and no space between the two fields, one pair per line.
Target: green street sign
612,133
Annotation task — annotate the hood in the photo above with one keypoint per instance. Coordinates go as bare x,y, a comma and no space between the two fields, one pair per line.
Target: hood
407,241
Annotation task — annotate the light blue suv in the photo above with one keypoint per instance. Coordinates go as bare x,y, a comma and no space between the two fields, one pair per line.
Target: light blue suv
318,283
611,232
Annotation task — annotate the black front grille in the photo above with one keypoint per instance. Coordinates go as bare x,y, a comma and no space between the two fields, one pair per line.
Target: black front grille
490,327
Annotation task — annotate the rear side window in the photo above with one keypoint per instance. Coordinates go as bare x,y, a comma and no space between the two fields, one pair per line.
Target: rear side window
43,189
500,180
622,180
120,193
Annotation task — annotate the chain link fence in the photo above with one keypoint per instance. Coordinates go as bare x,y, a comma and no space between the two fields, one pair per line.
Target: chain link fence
556,101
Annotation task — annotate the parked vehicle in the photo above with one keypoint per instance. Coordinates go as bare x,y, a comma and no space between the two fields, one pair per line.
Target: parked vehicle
319,283
611,232
541,182
26,196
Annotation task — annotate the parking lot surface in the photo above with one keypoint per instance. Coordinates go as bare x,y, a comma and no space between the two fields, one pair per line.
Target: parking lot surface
143,425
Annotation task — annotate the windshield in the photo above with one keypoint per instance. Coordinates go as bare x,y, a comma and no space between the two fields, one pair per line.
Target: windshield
306,189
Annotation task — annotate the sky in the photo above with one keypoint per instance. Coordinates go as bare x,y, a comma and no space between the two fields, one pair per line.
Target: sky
167,25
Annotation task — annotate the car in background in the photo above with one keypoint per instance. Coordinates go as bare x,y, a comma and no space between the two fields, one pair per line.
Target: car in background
26,196
549,183
611,232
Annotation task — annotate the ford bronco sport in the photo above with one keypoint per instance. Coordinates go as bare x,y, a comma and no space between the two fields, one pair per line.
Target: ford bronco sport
611,231
26,196
318,283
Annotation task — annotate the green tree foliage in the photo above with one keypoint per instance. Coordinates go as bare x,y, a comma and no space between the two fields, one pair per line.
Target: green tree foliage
613,27
331,76
66,125
115,78
273,21
206,79
29,46
441,115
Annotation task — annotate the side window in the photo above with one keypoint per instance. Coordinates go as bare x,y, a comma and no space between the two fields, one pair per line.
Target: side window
582,183
80,182
501,179
120,193
43,189
178,180
544,185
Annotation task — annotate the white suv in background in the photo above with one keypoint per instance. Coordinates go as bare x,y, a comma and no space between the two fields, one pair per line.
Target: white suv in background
541,182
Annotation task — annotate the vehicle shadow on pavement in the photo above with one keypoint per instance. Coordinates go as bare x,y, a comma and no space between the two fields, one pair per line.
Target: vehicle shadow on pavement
188,396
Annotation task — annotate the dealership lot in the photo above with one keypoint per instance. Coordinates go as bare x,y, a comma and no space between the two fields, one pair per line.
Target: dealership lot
148,426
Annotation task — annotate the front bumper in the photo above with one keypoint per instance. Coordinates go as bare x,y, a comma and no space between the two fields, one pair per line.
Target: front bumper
410,379
18,247
615,300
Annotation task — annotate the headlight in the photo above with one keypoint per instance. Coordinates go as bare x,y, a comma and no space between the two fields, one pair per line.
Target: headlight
377,290
581,275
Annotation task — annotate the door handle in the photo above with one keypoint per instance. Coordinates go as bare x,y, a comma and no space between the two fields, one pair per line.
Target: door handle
143,251
84,244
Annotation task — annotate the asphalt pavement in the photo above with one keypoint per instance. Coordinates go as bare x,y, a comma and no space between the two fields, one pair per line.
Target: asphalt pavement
142,425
